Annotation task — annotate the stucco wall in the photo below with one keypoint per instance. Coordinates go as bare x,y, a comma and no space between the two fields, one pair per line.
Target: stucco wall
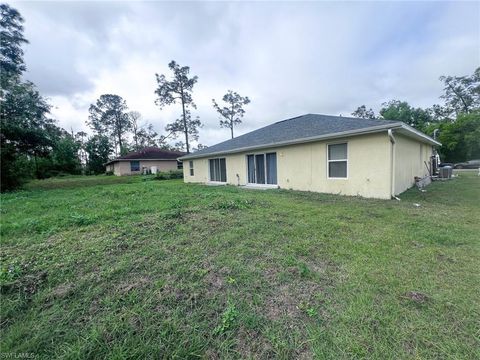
304,167
410,158
123,167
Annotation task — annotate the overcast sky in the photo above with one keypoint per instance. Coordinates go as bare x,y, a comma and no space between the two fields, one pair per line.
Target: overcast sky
290,58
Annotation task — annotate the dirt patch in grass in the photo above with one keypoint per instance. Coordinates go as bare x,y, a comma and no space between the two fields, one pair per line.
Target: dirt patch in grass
251,344
62,291
416,297
295,299
135,283
214,281
30,283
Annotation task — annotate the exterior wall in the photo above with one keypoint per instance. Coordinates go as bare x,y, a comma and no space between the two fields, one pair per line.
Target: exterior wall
121,168
410,158
304,167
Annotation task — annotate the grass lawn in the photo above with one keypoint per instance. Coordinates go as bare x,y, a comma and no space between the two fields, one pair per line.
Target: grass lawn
129,268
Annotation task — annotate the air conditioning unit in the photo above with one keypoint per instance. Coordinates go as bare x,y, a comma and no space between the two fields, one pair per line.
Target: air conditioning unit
153,169
445,172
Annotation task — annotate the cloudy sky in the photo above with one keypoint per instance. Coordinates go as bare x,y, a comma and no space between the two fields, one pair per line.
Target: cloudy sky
290,58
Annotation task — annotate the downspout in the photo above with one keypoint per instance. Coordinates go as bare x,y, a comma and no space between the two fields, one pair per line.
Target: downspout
392,164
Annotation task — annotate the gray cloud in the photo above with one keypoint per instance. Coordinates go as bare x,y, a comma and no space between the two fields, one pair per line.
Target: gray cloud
289,58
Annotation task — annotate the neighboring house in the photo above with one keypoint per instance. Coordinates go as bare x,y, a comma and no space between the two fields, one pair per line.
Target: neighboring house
330,154
150,159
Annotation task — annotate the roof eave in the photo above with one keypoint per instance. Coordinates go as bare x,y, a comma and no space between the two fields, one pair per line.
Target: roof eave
369,130
419,135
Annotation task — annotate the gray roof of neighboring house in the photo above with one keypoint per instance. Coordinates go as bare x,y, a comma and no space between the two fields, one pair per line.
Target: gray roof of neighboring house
299,129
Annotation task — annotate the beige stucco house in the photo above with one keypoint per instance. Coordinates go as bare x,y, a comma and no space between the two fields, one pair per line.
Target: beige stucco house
150,159
332,154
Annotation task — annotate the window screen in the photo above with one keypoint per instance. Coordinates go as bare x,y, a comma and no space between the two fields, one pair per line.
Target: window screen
337,160
218,170
337,152
190,164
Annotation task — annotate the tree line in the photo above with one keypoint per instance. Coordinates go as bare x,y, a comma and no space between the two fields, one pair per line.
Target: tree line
455,122
34,146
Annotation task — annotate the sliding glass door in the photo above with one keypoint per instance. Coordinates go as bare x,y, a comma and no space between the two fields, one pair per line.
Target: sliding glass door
251,169
271,162
262,168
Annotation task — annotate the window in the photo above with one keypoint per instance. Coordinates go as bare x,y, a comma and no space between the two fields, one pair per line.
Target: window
262,168
134,165
179,165
218,170
191,167
337,161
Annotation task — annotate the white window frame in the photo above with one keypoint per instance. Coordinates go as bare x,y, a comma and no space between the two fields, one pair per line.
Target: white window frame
209,173
191,168
338,160
264,165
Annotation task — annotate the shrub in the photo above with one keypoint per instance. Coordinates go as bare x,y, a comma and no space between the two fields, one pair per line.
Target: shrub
176,174
109,173
172,174
162,176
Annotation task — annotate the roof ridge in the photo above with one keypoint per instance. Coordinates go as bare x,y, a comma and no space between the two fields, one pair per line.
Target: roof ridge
293,118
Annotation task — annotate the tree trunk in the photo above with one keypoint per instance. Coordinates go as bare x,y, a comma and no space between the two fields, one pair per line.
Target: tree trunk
231,122
119,134
36,165
135,136
185,129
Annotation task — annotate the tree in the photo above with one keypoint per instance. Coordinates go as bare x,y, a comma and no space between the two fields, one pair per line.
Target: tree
65,154
402,111
200,147
179,126
108,115
135,117
147,136
24,122
460,139
363,113
461,93
179,90
30,140
233,112
80,139
11,40
25,127
99,149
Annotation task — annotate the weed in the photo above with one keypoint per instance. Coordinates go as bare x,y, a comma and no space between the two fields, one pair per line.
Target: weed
227,320
232,204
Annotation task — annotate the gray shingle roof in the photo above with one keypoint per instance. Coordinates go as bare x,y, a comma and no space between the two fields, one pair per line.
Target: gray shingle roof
297,128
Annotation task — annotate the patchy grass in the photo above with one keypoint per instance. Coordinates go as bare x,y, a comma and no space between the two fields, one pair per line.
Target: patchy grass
110,267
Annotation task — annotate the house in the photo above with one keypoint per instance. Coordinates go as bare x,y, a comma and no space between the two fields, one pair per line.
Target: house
331,154
150,159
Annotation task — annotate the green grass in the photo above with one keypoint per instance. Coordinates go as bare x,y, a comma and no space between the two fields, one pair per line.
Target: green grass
129,267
